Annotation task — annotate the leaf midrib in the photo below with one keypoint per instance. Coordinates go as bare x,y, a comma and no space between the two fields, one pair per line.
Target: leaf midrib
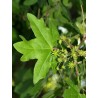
35,49
44,62
42,36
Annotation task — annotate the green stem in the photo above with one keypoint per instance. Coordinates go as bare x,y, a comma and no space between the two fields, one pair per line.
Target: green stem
38,13
77,74
81,5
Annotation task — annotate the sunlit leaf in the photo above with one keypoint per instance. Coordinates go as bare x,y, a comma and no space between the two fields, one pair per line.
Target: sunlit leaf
39,48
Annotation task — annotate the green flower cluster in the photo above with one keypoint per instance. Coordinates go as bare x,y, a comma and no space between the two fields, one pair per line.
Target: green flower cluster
68,54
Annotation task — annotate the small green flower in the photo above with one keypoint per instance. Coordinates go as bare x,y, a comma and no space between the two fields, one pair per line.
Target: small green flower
63,67
82,53
60,41
55,52
71,65
57,68
74,55
63,38
60,60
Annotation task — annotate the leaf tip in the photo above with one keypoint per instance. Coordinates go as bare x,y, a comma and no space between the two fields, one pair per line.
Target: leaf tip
14,45
28,14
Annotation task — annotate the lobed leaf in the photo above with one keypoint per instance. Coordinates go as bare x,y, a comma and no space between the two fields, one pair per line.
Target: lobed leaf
39,48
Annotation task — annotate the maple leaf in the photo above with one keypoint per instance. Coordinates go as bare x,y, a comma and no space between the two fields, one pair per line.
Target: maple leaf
39,48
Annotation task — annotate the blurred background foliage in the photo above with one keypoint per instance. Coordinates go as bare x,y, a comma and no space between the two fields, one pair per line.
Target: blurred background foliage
64,13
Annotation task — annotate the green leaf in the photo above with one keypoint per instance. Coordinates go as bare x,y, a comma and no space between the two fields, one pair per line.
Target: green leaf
49,94
22,88
36,89
43,33
83,96
70,83
65,2
72,91
29,2
15,6
53,28
72,27
39,48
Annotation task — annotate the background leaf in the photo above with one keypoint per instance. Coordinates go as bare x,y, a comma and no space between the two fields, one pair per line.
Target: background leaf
29,2
72,91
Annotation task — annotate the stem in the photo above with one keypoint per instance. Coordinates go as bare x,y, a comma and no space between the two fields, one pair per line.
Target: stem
77,74
38,13
82,12
71,71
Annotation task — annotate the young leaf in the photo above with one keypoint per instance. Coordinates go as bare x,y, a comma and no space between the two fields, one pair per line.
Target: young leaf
39,48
